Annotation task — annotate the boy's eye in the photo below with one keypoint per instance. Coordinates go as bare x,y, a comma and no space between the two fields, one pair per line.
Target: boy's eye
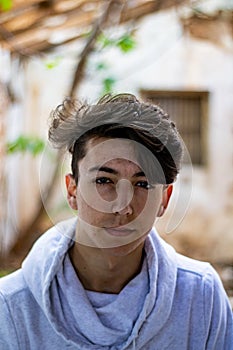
103,180
144,184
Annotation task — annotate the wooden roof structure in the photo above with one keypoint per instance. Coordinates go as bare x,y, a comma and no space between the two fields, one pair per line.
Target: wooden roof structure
37,26
216,27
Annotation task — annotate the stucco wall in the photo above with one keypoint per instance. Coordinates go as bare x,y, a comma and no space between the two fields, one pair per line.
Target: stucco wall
165,58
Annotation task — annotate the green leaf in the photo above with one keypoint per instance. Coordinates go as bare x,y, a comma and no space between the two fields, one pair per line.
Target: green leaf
6,5
101,66
19,145
22,144
105,41
53,63
126,43
36,146
108,84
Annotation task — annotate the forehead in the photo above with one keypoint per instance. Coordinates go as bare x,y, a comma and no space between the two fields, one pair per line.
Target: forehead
100,151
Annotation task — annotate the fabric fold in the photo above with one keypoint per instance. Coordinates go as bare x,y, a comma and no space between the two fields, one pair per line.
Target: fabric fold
73,314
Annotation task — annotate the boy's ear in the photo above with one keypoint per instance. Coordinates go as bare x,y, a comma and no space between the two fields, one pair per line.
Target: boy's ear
167,192
71,191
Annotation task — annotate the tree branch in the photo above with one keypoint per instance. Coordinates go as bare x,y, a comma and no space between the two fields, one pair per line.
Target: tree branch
27,235
79,72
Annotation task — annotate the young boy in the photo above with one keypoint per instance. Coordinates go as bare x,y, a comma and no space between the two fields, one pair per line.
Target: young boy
106,280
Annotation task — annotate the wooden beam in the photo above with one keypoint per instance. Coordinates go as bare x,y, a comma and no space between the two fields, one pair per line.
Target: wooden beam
33,37
20,8
148,7
45,46
78,17
214,28
26,38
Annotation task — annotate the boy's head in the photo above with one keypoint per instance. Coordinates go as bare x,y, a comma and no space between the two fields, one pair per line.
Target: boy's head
125,156
120,116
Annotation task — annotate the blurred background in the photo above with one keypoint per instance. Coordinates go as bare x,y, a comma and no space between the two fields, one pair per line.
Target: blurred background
176,53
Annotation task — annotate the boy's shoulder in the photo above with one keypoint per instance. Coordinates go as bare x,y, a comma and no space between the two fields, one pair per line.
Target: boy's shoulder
190,265
199,273
12,284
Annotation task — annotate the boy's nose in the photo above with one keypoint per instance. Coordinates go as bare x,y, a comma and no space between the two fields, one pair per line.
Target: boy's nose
122,205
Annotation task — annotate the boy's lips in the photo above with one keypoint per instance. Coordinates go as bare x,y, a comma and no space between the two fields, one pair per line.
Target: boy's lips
119,231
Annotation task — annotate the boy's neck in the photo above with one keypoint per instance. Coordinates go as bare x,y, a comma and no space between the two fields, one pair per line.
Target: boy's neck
102,270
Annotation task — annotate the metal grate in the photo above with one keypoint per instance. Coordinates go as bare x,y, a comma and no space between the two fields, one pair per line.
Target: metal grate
188,109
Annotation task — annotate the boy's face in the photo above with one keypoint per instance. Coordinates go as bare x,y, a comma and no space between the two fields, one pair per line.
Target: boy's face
116,204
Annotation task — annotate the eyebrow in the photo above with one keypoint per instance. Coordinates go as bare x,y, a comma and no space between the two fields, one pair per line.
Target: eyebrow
113,171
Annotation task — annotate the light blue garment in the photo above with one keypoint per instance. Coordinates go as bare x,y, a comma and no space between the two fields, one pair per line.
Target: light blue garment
174,303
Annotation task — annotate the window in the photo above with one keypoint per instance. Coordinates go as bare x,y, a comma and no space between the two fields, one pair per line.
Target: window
188,109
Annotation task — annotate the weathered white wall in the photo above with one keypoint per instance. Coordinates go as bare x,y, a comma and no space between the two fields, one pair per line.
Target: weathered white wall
165,58
10,76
